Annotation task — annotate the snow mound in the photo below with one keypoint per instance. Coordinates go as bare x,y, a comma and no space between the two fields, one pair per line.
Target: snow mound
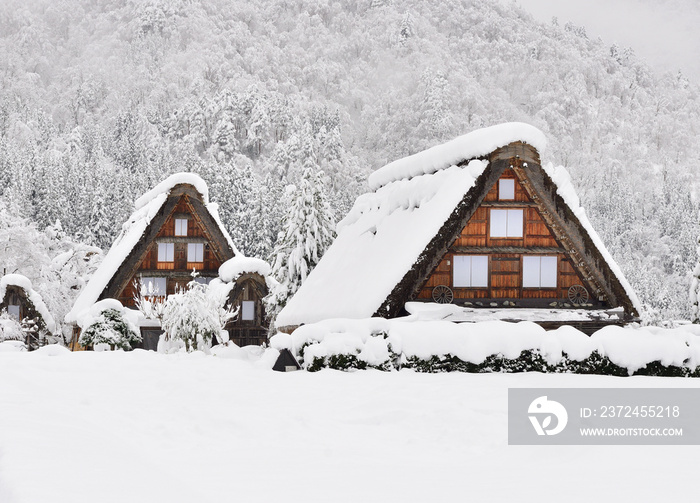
52,350
12,346
469,146
233,268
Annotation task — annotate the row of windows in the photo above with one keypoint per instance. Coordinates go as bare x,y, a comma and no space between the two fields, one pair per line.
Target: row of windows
166,252
472,271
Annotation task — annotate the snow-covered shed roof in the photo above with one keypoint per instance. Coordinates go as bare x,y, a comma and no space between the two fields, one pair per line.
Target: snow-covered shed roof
419,204
23,283
133,231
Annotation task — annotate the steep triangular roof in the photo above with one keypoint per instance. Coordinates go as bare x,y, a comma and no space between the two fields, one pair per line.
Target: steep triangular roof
150,212
394,236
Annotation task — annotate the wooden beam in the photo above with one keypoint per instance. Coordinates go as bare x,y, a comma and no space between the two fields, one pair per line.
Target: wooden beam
505,249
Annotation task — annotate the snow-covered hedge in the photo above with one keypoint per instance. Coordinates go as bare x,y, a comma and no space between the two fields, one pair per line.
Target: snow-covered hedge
493,346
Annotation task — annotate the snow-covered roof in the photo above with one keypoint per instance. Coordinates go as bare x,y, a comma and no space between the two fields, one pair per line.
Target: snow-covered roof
234,267
25,284
387,230
472,145
145,209
378,241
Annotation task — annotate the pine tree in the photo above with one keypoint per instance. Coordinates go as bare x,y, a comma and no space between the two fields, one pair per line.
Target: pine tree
307,233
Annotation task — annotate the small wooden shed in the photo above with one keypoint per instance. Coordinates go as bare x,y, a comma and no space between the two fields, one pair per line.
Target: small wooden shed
249,282
19,299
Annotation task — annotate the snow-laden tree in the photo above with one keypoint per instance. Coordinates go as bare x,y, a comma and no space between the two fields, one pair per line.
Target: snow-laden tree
308,230
695,291
195,316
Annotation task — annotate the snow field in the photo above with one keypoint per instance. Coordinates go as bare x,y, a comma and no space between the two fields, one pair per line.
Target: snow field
146,427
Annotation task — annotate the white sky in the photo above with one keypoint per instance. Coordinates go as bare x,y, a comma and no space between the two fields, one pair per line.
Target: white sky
666,33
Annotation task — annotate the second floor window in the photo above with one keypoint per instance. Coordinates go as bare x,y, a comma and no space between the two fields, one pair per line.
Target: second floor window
13,311
506,223
166,252
181,227
195,252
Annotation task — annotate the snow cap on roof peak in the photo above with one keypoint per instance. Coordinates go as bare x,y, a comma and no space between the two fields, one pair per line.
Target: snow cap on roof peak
469,146
169,183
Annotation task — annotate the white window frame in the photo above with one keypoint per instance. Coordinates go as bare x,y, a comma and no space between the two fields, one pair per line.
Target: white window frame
154,287
248,310
195,252
540,271
506,187
166,252
181,227
13,311
506,223
470,271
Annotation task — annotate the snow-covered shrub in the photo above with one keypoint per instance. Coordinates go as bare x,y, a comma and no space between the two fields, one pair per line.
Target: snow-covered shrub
110,328
10,329
194,317
493,347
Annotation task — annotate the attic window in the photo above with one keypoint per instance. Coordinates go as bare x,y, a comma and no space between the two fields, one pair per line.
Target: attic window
539,272
248,310
506,223
153,286
470,271
13,311
181,227
166,252
195,252
506,189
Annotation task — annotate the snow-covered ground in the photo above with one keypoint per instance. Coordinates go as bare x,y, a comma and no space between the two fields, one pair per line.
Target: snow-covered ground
147,427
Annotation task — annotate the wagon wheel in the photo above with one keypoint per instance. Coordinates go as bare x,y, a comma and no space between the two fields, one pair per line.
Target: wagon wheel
578,295
442,294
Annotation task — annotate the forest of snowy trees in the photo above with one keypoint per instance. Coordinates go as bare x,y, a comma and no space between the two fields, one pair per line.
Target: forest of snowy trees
101,100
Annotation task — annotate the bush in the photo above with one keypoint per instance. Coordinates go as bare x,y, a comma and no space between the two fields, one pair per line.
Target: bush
111,328
528,361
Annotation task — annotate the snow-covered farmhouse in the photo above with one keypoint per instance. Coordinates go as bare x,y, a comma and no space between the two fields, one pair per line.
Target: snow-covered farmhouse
22,303
478,223
173,230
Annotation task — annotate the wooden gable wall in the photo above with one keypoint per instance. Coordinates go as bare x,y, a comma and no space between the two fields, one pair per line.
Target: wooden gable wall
178,272
505,256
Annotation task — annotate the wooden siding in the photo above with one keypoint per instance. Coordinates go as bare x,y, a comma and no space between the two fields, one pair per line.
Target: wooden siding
505,255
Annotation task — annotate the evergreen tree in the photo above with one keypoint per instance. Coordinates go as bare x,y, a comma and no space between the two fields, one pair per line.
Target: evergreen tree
695,291
308,231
